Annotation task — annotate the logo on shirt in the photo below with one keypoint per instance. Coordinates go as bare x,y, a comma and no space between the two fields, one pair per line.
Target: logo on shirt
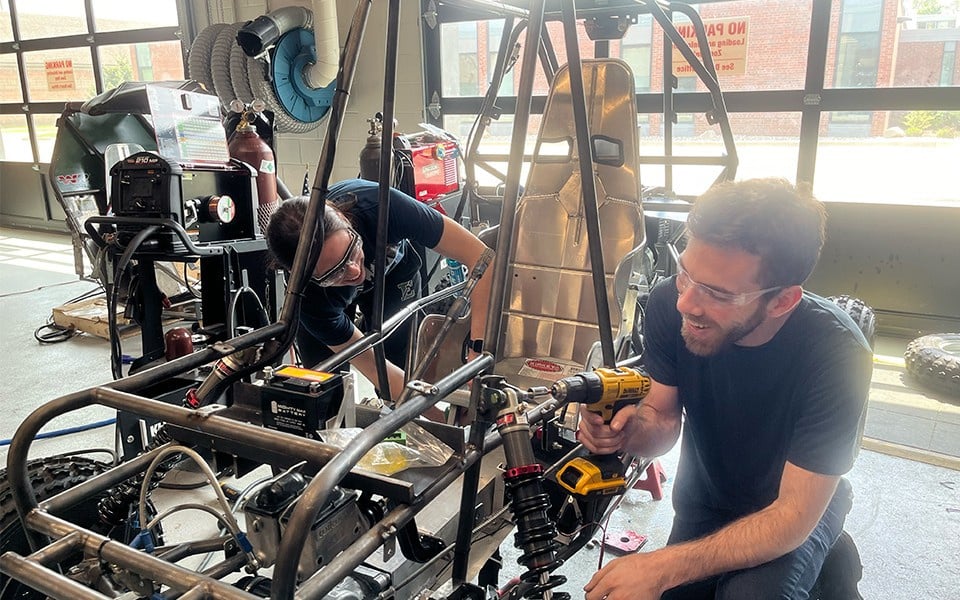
406,290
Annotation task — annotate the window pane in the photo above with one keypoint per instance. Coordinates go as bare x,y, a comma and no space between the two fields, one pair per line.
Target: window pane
493,45
860,15
540,86
767,146
919,167
147,61
468,49
6,27
857,60
45,127
635,49
948,64
881,45
65,74
9,79
640,32
51,18
496,140
14,139
459,58
555,29
496,136
116,15
754,46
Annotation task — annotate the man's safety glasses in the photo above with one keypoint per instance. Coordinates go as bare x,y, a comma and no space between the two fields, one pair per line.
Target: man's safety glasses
685,282
335,275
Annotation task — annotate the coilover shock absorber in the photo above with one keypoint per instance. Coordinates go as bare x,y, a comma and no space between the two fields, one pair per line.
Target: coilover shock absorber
114,508
523,479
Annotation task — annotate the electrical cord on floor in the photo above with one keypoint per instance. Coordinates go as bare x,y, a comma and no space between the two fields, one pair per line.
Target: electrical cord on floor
36,289
56,334
86,295
67,430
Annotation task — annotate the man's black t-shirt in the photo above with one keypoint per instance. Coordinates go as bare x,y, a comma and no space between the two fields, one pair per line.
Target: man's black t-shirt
323,313
801,397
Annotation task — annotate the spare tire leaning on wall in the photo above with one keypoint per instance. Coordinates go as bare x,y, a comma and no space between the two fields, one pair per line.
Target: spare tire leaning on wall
861,314
934,362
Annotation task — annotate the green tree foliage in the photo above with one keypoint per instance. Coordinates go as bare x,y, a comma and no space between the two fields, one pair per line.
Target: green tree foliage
944,124
117,70
934,7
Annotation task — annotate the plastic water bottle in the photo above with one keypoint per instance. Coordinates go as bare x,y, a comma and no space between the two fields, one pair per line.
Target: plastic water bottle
458,272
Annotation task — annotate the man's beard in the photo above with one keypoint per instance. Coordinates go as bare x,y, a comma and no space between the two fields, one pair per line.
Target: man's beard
719,338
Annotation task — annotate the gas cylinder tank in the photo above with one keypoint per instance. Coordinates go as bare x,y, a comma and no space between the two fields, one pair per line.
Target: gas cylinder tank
370,159
370,155
249,147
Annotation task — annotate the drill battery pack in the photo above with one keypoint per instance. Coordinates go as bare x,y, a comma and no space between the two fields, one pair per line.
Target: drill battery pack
300,401
593,475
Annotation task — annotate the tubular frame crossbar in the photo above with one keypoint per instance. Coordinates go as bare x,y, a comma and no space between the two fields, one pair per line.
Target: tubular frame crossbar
661,11
41,524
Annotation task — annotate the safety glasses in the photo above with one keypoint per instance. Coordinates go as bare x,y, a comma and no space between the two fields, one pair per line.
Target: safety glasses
715,296
335,275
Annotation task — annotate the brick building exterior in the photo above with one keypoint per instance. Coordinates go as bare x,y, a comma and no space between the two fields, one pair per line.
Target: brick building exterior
778,38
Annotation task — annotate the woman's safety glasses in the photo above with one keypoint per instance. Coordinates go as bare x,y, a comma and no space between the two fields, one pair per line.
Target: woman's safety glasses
335,275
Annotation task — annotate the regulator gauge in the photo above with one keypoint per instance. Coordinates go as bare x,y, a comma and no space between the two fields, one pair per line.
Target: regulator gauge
222,208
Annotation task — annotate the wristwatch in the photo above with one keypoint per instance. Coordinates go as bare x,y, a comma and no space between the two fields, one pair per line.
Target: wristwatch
475,345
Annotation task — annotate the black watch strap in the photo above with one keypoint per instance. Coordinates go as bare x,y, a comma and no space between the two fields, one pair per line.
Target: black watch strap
475,345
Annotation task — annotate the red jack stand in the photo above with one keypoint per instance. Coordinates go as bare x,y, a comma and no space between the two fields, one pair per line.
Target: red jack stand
652,480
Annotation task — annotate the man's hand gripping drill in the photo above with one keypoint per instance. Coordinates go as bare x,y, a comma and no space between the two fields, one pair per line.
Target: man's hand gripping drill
602,393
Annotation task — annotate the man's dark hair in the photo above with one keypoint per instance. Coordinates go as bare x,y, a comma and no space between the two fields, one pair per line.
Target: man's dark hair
770,218
283,229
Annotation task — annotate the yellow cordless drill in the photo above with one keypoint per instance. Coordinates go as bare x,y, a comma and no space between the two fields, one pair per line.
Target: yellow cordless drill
605,392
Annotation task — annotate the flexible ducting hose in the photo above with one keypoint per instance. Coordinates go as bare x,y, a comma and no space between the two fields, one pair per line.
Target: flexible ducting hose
327,37
198,62
220,64
240,73
264,31
222,60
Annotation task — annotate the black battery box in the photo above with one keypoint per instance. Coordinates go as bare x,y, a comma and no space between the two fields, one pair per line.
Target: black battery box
300,401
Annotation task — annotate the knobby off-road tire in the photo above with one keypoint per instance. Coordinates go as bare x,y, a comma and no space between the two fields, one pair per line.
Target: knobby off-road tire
861,314
49,477
934,362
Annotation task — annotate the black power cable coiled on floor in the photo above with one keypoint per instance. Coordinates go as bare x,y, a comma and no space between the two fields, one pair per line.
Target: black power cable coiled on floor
535,531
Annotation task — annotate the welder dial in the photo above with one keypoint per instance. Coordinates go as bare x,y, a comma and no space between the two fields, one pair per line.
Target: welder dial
222,208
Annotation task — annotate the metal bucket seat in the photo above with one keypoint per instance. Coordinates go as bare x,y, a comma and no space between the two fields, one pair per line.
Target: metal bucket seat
550,320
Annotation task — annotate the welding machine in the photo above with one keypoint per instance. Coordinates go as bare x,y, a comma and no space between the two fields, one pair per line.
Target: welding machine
433,165
212,203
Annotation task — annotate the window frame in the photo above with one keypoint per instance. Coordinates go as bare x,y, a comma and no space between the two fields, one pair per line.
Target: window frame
811,101
92,41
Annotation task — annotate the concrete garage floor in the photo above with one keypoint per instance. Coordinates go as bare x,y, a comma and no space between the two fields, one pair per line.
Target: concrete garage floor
905,520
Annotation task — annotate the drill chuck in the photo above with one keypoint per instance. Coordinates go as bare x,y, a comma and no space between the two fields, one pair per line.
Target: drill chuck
576,388
603,390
